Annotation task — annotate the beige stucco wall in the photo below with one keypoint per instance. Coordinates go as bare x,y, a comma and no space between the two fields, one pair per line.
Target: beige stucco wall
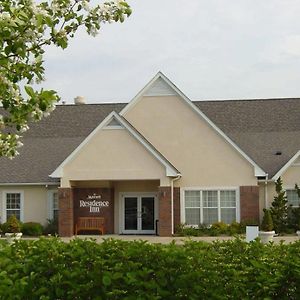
202,156
35,208
291,176
113,154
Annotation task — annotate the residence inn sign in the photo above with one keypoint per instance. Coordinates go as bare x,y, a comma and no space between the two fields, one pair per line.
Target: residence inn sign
95,202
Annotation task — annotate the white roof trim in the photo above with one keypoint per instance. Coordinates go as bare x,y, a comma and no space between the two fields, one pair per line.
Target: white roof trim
170,170
286,166
258,171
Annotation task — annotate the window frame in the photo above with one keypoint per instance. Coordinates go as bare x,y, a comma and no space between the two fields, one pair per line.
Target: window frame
291,189
212,188
51,203
4,204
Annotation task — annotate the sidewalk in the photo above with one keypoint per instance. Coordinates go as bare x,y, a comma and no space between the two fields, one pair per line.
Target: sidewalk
167,240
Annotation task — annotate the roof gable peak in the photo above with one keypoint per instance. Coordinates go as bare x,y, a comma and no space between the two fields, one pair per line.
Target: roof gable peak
112,120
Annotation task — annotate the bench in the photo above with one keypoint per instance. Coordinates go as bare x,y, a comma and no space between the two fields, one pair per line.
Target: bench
90,223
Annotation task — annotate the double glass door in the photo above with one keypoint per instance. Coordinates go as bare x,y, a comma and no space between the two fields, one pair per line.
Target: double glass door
139,214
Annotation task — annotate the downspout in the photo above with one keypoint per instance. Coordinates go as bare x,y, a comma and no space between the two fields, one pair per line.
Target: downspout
172,202
266,192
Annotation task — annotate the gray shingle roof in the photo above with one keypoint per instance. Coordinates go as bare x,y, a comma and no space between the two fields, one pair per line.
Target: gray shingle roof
51,140
258,127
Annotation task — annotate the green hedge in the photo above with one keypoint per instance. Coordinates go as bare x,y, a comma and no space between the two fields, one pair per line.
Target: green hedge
32,229
52,269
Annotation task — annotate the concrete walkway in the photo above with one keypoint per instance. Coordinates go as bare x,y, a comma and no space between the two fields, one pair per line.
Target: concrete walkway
163,240
167,240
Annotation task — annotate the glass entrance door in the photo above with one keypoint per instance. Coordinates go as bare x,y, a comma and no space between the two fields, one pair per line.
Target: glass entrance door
139,214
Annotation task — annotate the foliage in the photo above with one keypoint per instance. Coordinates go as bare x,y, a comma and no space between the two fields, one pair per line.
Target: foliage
51,227
12,225
26,28
294,218
50,269
294,214
32,229
219,227
279,209
216,229
267,221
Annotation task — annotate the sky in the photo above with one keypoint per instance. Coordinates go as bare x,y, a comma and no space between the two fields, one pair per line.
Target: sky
210,49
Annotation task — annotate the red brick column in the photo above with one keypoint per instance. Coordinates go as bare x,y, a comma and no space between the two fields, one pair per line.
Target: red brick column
164,198
176,195
249,203
66,213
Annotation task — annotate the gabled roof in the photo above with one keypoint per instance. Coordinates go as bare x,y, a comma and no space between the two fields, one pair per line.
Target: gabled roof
287,165
261,127
51,140
115,119
160,85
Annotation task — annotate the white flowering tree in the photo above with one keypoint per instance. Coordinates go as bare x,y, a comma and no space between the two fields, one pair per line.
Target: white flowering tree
27,27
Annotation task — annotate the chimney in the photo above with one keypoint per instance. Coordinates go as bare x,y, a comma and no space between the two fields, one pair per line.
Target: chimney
79,100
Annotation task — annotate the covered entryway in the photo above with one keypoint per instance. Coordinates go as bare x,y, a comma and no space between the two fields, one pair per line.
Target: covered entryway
139,213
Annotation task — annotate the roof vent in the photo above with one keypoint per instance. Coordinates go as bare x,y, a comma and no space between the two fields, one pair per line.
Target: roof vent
278,153
79,100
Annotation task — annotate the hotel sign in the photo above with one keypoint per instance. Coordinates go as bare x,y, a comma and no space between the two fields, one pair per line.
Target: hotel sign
93,203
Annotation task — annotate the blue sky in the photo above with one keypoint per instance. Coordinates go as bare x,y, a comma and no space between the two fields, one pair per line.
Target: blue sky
211,49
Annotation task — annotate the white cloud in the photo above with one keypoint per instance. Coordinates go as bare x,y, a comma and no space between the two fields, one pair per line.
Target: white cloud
210,49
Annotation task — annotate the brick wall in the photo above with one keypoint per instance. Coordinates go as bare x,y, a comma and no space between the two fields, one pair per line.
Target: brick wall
164,198
66,216
249,203
176,195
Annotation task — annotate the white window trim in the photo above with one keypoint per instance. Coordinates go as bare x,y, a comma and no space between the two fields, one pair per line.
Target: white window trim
289,187
211,188
4,193
50,203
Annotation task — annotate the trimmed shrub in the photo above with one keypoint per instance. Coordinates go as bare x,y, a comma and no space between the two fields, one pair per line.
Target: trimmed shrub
13,225
219,228
51,269
32,229
267,222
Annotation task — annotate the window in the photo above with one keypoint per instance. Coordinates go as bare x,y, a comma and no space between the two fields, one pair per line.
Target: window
12,205
292,198
53,205
210,206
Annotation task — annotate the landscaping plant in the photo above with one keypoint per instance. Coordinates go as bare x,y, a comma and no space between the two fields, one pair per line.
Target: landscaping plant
12,225
32,229
267,221
82,269
279,209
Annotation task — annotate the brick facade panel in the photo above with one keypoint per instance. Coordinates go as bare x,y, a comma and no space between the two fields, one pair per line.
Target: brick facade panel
164,198
249,203
66,215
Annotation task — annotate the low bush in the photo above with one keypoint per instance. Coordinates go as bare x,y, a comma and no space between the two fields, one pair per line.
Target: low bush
51,269
12,225
216,229
51,227
32,229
